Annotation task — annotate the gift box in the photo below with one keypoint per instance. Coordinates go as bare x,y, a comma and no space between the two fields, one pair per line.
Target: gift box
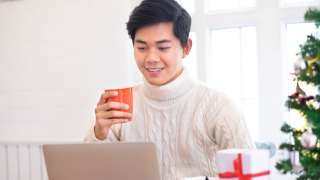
244,164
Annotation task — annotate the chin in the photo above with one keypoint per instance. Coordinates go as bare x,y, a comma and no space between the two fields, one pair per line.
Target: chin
156,82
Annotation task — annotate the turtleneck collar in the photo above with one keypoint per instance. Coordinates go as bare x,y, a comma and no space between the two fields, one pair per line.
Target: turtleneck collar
171,90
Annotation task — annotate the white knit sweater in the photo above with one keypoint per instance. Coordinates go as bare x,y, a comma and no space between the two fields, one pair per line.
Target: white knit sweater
188,121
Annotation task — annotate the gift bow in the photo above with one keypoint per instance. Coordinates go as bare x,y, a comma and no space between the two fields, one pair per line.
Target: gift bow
237,163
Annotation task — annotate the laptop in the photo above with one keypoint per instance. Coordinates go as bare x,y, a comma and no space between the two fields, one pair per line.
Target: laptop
102,161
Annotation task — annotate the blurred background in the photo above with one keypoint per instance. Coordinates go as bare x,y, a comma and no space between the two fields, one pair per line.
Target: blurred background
57,56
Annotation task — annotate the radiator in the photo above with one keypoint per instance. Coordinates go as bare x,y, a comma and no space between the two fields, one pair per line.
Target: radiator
23,161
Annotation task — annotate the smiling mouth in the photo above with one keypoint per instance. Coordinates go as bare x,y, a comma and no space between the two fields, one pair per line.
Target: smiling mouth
155,70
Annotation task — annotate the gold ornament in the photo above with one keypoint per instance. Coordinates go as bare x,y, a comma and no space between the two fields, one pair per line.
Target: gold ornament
299,90
310,64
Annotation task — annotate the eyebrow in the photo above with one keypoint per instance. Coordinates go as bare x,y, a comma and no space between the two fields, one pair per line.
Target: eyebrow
163,41
140,41
158,42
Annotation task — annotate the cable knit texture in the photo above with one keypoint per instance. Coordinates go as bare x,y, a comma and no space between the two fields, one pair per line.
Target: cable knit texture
188,121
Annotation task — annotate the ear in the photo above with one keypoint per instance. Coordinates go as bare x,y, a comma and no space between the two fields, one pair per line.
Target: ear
187,48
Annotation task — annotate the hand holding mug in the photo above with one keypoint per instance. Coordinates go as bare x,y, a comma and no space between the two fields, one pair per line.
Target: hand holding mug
115,106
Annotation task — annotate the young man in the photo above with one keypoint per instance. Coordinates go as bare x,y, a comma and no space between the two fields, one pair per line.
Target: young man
187,120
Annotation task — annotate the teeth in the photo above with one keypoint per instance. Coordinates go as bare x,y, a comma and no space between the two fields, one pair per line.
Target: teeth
154,70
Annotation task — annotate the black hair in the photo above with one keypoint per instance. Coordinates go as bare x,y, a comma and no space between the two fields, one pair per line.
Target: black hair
156,11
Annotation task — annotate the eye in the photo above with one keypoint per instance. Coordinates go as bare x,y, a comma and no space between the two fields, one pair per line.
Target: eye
142,48
163,48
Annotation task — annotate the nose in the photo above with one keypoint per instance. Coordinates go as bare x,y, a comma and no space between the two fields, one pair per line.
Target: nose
153,56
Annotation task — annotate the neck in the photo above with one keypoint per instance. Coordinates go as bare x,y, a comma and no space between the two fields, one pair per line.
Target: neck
161,95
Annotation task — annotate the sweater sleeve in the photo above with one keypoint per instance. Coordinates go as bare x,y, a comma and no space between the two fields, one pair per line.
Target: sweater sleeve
114,134
227,126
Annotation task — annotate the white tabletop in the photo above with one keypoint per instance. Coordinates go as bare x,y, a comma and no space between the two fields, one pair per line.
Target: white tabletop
200,178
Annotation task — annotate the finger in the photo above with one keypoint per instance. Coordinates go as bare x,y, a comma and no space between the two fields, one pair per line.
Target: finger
110,122
105,96
112,105
117,121
112,114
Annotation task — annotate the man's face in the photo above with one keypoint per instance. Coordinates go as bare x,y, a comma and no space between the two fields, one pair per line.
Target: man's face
158,53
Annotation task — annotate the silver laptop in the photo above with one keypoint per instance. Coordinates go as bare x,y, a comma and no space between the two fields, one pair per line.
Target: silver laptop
102,161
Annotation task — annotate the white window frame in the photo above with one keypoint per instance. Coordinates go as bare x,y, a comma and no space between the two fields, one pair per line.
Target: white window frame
283,5
271,47
208,11
284,64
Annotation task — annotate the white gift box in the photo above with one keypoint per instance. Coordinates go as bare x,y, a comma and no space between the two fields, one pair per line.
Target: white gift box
248,164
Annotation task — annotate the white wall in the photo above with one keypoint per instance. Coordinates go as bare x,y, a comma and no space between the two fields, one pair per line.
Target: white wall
56,58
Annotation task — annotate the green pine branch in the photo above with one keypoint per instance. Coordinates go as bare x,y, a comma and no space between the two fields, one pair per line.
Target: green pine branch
286,128
317,98
284,166
313,15
311,113
313,79
311,47
309,177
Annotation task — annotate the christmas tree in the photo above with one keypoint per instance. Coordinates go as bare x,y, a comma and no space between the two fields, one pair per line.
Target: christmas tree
302,154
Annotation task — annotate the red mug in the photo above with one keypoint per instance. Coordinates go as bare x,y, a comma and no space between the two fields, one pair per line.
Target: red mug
124,96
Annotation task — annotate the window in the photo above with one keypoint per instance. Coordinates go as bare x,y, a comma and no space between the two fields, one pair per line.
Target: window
226,59
297,34
188,5
190,62
235,70
230,4
298,1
